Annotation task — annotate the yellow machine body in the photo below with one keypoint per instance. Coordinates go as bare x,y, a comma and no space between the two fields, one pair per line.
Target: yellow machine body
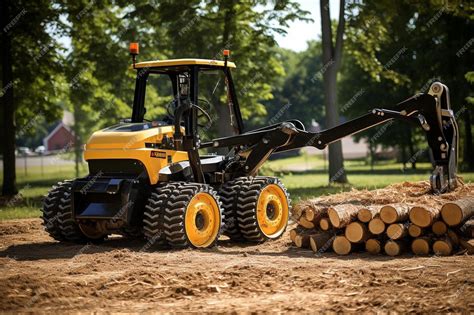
105,144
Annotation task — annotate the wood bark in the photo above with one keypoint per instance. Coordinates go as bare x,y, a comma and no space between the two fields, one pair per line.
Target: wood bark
397,231
357,232
368,213
439,228
467,229
332,55
341,215
376,226
414,230
443,247
394,248
321,242
394,213
315,213
468,245
423,216
324,224
9,187
302,241
421,245
453,236
457,212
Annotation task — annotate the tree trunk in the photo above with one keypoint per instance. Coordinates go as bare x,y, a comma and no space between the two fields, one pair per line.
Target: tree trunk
423,217
324,224
341,215
414,230
320,242
397,231
376,226
443,247
468,141
456,212
357,232
439,228
77,138
394,248
373,246
8,135
224,128
342,246
368,213
331,59
421,246
394,213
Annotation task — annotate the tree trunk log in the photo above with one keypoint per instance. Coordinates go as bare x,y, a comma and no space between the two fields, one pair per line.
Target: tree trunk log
422,216
467,229
321,242
397,231
457,212
305,223
453,236
468,245
315,213
443,247
376,226
341,215
324,224
394,248
394,213
342,246
373,246
302,241
414,230
357,232
421,245
368,213
439,228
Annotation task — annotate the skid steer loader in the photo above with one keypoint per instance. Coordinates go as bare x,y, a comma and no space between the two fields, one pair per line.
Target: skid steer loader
150,179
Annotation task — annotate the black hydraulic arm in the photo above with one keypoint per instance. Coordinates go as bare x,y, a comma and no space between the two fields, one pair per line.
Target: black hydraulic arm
430,111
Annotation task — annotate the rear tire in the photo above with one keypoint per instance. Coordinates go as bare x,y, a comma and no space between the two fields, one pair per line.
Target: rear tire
229,193
263,209
193,216
58,218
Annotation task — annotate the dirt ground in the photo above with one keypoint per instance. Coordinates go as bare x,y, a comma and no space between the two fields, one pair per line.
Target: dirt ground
38,274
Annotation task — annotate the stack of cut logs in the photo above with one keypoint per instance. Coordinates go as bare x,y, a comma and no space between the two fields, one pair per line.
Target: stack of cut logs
391,229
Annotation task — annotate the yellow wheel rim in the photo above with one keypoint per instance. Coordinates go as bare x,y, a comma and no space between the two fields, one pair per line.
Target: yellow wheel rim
202,220
272,211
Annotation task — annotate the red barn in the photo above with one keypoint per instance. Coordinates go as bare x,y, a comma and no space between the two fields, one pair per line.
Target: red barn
60,138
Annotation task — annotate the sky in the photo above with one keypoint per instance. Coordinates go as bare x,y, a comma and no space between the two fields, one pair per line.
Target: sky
300,32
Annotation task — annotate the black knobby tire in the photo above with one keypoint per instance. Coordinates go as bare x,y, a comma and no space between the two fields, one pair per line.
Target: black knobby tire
229,193
57,215
247,207
153,217
174,216
51,210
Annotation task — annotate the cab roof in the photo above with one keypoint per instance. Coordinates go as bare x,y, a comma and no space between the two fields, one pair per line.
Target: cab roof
183,62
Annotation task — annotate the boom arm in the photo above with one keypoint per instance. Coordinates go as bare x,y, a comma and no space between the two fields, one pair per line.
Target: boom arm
430,111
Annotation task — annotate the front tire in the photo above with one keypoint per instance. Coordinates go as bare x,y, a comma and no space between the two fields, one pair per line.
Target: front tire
263,209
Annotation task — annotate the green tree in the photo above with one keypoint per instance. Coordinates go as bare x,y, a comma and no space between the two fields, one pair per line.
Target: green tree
31,63
332,56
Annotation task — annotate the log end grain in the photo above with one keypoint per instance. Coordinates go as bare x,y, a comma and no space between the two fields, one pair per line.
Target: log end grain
414,230
341,245
388,214
439,228
452,214
324,224
356,232
393,248
420,246
421,216
376,226
443,247
373,246
396,231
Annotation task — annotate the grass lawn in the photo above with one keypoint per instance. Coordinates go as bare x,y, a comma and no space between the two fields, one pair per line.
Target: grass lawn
304,176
